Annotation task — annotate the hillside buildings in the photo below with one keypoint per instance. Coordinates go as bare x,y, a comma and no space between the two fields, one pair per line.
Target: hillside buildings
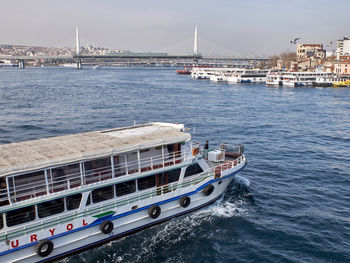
307,51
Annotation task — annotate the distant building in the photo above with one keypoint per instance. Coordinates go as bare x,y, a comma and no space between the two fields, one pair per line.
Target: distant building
306,51
343,47
342,67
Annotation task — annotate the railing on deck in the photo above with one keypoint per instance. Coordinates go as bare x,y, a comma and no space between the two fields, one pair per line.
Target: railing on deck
131,199
48,184
227,165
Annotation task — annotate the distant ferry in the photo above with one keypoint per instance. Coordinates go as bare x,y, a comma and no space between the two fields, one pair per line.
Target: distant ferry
223,75
275,78
66,194
69,65
300,79
330,81
249,76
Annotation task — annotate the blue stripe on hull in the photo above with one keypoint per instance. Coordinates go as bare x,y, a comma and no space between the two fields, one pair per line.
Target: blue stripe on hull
97,222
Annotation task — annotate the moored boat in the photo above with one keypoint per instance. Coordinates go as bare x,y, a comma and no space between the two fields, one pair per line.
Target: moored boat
275,78
300,79
65,194
185,71
248,76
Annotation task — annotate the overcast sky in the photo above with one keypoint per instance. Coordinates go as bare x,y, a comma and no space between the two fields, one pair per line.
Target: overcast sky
225,27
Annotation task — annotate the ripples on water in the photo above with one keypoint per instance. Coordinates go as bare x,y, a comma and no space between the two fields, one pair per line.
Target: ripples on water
297,141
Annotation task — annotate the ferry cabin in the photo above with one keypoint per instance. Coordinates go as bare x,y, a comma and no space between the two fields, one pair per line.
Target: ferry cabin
64,194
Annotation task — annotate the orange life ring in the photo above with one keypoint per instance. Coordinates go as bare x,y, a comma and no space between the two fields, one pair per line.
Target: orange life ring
195,151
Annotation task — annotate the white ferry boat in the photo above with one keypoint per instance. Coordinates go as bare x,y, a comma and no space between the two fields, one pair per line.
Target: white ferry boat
275,78
300,79
66,194
248,76
218,76
203,72
329,81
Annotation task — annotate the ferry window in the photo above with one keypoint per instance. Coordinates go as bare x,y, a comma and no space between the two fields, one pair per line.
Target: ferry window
193,169
98,170
25,186
61,175
174,175
161,179
133,163
146,160
1,222
125,188
51,208
146,182
3,192
119,165
88,201
20,216
102,194
73,201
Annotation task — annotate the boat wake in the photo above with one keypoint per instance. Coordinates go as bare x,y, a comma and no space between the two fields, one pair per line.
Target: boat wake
242,180
150,244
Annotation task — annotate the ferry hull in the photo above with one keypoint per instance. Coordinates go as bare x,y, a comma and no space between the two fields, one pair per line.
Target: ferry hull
127,223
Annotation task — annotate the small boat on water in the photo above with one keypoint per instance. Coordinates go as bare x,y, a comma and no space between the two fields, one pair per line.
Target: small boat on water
342,84
185,71
329,81
65,194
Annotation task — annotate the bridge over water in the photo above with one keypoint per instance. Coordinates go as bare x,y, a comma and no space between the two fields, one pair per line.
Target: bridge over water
133,58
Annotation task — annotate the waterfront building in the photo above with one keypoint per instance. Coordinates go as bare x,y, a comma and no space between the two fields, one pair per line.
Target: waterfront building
343,47
342,67
306,51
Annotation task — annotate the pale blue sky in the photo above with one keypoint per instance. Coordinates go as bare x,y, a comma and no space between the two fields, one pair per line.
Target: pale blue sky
246,27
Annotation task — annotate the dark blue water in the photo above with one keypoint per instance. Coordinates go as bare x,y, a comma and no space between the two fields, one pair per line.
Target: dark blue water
297,141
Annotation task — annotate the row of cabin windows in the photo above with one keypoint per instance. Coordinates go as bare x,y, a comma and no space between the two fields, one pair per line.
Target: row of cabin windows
46,209
27,214
160,179
61,178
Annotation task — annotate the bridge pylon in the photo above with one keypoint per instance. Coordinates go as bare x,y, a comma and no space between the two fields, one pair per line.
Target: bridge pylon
77,48
195,44
21,64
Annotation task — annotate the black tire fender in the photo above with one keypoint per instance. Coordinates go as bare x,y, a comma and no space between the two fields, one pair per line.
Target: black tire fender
106,227
154,211
185,201
208,190
44,247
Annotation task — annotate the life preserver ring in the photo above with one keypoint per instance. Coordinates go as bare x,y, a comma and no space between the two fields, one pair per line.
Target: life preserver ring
106,227
185,201
195,151
154,211
44,247
208,190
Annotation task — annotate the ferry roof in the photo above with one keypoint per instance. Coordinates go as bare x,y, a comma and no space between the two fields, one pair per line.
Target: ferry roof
37,154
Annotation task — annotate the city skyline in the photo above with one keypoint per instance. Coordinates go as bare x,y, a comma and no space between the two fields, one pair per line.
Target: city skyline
224,28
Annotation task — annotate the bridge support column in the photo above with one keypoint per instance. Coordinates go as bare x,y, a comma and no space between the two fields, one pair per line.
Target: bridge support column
79,65
21,64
